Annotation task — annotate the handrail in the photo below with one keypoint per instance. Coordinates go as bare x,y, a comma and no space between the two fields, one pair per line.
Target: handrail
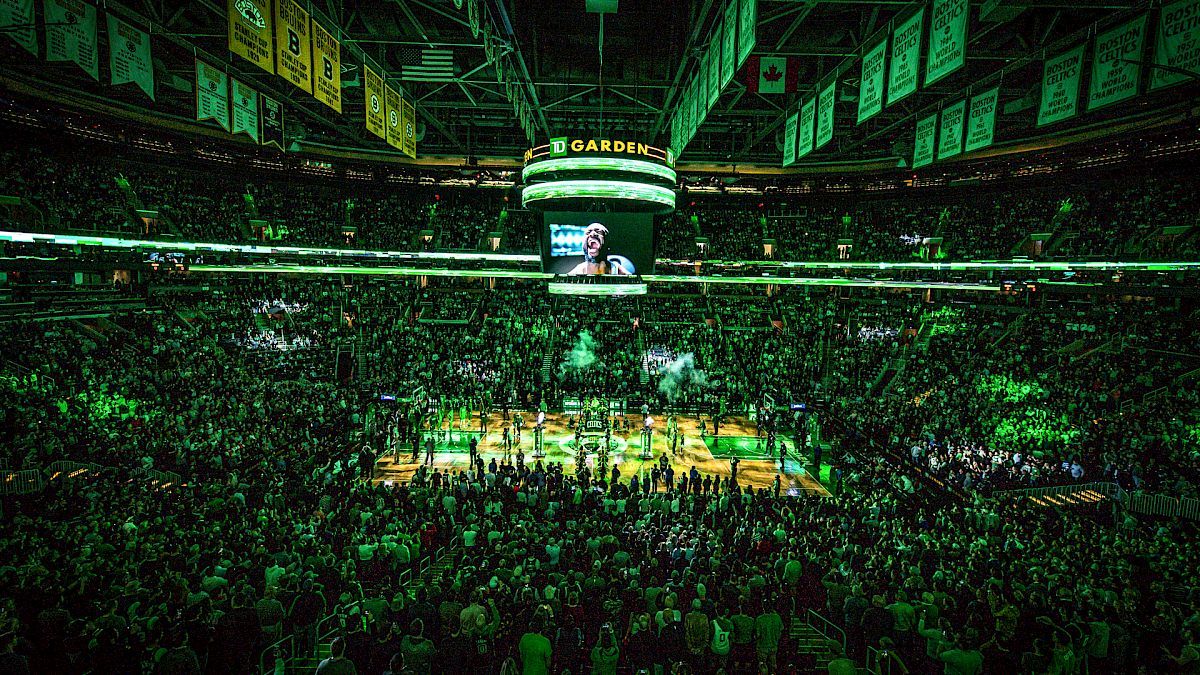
809,620
262,656
1111,490
879,657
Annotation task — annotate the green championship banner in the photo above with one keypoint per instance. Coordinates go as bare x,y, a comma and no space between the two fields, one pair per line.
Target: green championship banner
250,32
129,56
924,141
699,103
1060,87
906,58
391,102
804,130
729,43
293,47
981,120
789,140
17,22
1177,44
947,39
950,137
870,88
245,110
713,59
373,93
747,21
1117,63
71,34
408,120
212,94
327,67
825,113
272,121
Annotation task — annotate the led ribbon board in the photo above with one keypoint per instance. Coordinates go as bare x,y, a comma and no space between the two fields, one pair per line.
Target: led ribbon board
606,165
539,194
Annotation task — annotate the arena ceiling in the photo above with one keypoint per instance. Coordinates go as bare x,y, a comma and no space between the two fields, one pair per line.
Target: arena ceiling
620,78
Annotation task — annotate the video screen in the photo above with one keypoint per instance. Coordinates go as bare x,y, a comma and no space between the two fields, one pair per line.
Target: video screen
598,244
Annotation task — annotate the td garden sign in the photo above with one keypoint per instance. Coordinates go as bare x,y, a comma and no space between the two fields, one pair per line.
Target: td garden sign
565,146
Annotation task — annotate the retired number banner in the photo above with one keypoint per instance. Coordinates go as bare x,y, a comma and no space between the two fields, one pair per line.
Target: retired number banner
327,63
947,39
71,35
951,137
729,43
250,32
376,114
272,121
924,141
408,120
870,88
292,44
825,113
906,58
1117,63
395,135
1177,44
981,121
747,22
129,56
1060,87
804,130
789,140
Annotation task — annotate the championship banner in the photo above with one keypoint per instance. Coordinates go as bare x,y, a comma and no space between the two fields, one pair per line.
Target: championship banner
804,130
825,114
950,139
71,34
1117,63
789,140
714,72
747,21
327,65
1177,44
212,94
699,104
923,143
729,43
1060,87
250,31
870,88
292,44
272,121
391,102
408,121
245,110
376,115
947,39
981,121
17,22
906,58
129,56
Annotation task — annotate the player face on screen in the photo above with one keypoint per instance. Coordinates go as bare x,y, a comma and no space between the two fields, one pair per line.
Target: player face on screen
595,254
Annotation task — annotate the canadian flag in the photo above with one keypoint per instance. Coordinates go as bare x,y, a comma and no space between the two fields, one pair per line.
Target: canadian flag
772,74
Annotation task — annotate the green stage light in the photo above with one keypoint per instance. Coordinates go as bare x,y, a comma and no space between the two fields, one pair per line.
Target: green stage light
598,189
599,164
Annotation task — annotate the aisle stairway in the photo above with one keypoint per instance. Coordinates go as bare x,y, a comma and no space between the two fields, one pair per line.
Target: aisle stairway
812,648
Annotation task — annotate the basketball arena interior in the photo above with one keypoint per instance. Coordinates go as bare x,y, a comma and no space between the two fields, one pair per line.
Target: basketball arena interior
599,336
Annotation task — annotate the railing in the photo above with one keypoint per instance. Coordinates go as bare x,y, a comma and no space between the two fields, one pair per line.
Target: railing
1164,506
1110,490
22,482
290,641
883,662
159,478
813,619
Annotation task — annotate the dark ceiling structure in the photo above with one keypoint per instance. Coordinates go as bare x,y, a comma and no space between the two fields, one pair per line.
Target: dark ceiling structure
523,71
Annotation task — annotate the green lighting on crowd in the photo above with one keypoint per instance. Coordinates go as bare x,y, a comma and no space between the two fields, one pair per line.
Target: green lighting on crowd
377,271
598,189
599,164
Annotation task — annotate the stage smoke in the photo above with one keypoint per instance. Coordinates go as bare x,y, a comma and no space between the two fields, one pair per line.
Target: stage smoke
581,357
680,375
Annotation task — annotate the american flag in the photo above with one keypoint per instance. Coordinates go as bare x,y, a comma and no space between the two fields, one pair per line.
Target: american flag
427,64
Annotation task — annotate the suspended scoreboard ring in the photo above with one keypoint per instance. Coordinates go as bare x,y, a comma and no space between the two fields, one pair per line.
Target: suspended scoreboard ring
598,175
